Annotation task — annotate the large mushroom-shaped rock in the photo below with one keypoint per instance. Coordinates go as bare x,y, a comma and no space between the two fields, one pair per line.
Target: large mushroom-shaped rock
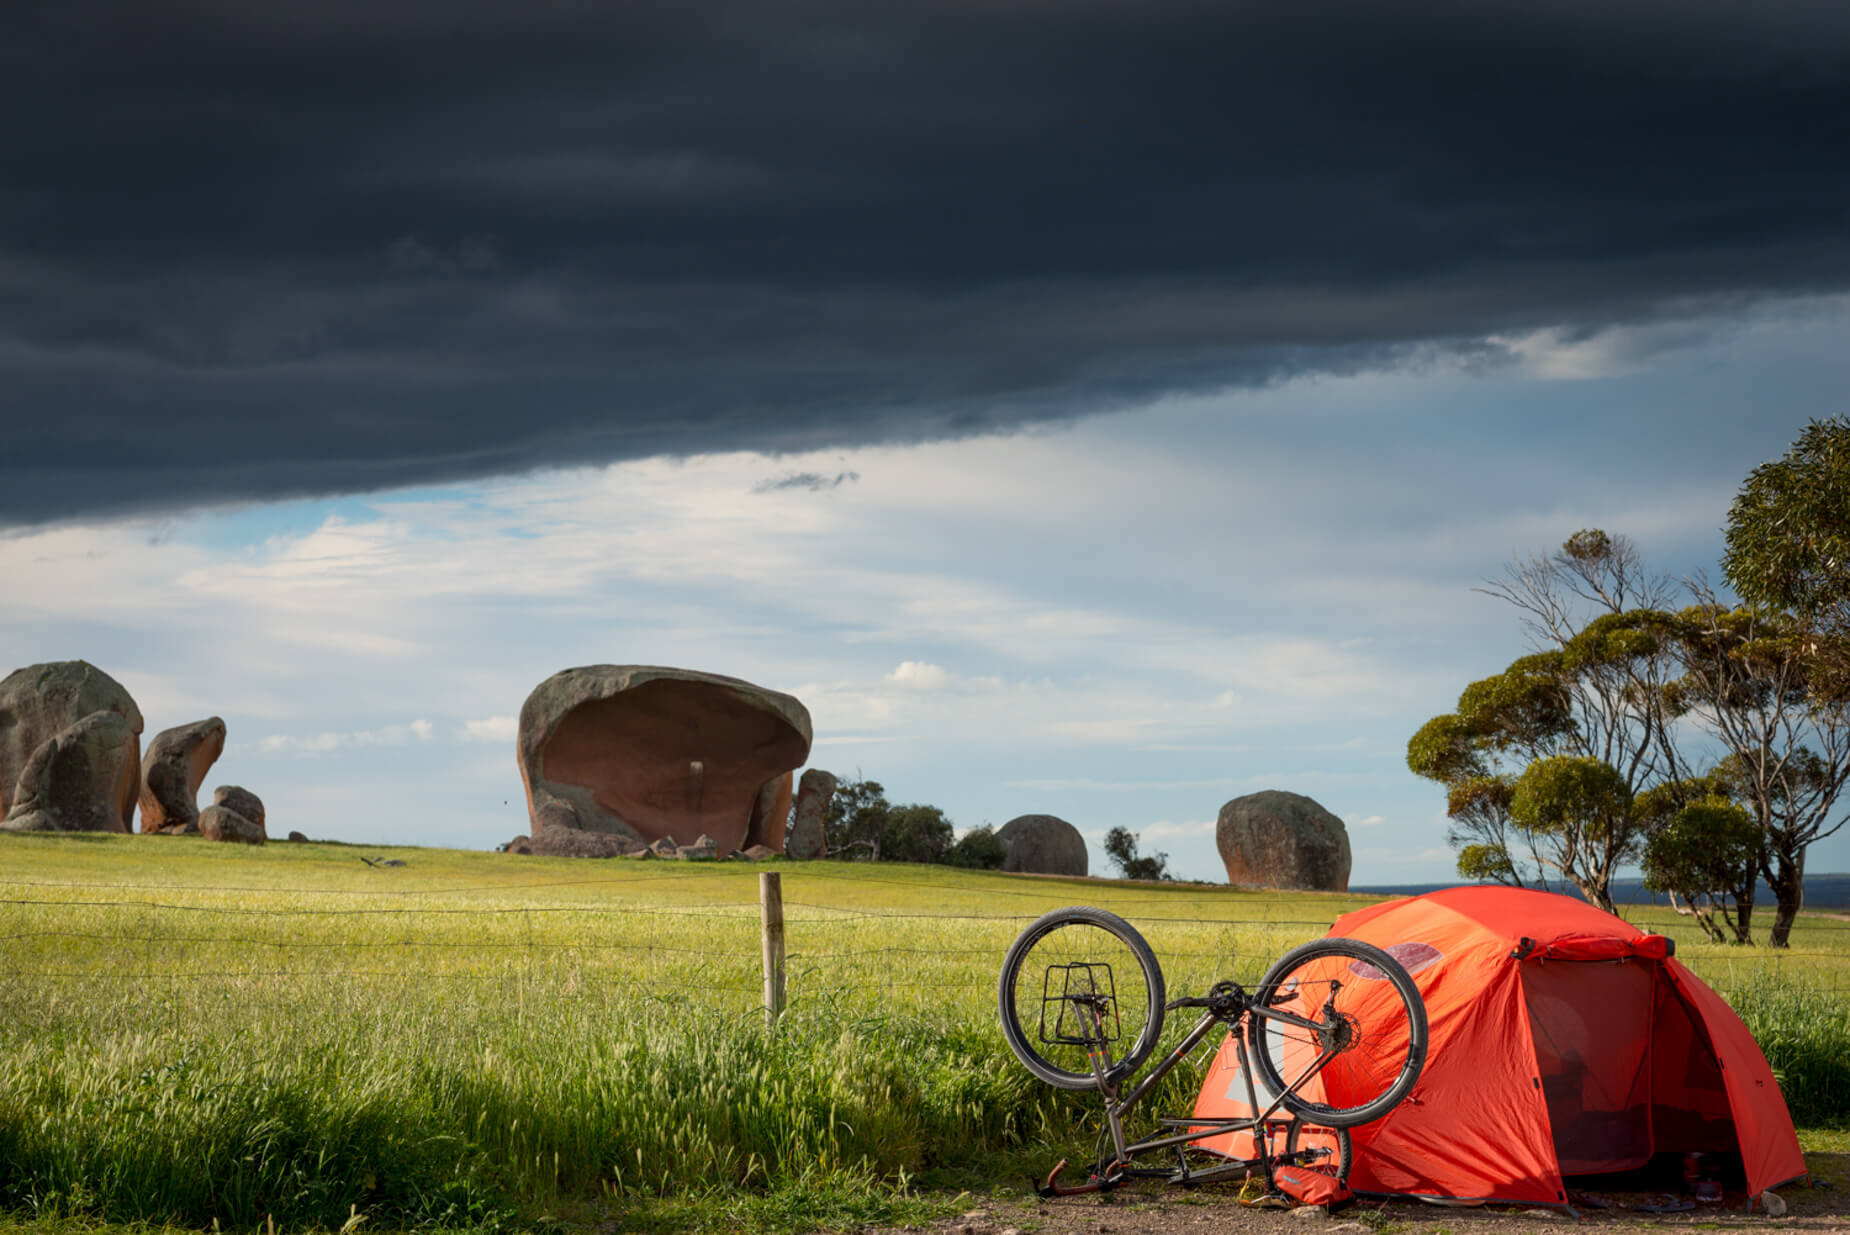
39,702
647,753
172,771
770,814
1042,845
236,814
1276,839
74,781
815,791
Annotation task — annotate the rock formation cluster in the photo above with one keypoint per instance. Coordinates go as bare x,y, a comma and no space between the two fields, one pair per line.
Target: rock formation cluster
1276,839
615,757
71,761
1042,845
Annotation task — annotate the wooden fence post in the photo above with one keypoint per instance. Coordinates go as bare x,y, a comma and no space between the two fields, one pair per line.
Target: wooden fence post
771,902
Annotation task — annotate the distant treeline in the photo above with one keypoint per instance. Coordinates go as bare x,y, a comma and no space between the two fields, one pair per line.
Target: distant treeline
1821,891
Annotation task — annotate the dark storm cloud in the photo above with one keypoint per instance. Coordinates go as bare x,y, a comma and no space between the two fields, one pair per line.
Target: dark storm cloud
249,251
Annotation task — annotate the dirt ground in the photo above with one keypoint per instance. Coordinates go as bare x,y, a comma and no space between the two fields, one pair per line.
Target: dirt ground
1822,1206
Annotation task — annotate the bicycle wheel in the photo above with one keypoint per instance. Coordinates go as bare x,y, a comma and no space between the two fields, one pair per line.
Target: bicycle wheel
1080,980
1318,1148
1364,1013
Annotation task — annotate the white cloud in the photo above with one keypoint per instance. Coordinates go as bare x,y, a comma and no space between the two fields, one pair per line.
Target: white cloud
1558,354
1163,829
322,743
1086,784
490,729
920,675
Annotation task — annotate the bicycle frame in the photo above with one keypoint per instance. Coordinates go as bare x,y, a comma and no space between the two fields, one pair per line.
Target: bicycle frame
1260,1124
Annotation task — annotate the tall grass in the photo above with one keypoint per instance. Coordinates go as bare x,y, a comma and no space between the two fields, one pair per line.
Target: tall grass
1804,1032
437,1110
191,1033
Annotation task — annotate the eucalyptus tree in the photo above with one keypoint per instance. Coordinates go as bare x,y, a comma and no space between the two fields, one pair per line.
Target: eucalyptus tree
1768,685
1542,762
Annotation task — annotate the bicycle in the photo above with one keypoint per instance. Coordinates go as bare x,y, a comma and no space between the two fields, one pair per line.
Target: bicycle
1335,1028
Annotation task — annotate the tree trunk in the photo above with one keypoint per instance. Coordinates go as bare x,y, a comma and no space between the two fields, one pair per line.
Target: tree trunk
1597,893
1744,911
1788,881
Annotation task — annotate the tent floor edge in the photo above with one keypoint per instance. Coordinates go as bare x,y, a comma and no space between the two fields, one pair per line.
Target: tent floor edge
1463,1202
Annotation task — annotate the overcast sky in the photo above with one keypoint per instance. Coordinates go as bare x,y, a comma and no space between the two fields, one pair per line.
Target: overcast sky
1089,408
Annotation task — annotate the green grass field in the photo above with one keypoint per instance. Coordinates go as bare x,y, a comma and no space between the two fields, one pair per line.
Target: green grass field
194,1032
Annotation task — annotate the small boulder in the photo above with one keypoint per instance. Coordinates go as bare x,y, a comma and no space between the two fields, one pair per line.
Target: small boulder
1275,839
665,848
74,781
1042,845
297,838
172,770
758,853
815,791
221,823
239,799
39,702
704,849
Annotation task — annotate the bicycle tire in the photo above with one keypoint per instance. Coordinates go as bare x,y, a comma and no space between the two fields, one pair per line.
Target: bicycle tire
1371,1014
1318,1152
1076,945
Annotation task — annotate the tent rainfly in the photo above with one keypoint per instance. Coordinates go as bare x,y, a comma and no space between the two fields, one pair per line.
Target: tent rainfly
1563,1041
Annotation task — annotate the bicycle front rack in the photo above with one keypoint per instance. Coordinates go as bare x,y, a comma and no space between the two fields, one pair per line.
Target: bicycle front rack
1086,1005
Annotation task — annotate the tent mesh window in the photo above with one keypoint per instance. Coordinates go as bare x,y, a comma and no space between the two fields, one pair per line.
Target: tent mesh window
1592,1026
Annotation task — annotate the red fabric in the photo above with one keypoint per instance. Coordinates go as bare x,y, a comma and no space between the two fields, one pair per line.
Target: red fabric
1611,1033
1769,1146
1308,1187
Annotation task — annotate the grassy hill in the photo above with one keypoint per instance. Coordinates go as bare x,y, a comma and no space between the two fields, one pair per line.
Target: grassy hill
197,1032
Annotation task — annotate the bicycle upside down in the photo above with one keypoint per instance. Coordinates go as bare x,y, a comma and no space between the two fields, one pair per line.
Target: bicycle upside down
1335,1029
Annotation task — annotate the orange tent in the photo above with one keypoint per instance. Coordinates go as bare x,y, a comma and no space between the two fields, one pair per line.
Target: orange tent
1563,1041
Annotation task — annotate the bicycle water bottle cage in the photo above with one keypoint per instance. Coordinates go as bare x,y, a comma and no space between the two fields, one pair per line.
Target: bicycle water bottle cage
1084,1002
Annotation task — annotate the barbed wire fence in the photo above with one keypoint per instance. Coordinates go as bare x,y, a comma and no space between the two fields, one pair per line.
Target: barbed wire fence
779,948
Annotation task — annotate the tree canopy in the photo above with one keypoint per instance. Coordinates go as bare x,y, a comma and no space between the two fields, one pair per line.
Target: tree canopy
860,822
1121,848
1788,535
